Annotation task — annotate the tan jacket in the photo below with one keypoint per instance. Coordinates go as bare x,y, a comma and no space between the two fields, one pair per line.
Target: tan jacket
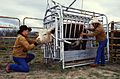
99,33
21,46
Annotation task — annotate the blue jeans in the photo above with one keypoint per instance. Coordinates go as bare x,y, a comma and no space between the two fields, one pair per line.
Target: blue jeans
100,52
21,63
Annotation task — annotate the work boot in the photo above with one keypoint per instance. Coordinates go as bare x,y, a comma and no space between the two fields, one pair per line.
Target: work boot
7,69
93,65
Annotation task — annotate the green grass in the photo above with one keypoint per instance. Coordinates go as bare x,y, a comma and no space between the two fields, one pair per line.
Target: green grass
81,78
94,73
61,78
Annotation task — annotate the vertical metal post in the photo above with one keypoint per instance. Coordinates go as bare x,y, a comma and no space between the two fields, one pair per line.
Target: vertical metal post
108,53
70,29
75,29
66,28
61,36
56,33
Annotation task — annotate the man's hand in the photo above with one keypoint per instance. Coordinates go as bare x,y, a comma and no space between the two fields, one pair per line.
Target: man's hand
35,43
81,35
24,50
38,41
90,29
76,43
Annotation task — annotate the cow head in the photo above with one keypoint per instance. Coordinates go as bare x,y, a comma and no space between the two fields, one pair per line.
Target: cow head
44,35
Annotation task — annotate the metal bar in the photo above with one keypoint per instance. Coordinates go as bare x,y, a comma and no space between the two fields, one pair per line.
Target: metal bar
108,54
38,27
79,26
66,14
49,22
6,27
56,32
7,37
62,43
79,39
31,18
66,29
11,18
78,65
50,9
49,15
70,5
44,50
75,29
49,57
83,11
70,29
76,18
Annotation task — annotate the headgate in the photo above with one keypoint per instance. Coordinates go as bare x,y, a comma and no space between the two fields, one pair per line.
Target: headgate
69,23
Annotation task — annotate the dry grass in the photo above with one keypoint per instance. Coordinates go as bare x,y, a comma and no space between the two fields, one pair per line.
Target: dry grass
39,70
42,71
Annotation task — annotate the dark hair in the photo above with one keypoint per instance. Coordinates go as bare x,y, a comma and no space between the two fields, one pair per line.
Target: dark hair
22,28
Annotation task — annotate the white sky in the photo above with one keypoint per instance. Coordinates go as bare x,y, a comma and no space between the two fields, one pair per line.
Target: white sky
36,8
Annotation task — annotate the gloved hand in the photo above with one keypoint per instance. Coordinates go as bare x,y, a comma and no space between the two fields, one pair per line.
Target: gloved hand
76,43
24,50
35,43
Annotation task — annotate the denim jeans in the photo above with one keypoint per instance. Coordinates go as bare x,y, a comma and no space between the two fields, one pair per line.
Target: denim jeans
100,52
21,63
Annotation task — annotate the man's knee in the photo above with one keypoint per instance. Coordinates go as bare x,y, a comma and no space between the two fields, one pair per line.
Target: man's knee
31,56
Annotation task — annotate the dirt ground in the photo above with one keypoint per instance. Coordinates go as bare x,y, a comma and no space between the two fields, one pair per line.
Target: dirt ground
39,70
42,71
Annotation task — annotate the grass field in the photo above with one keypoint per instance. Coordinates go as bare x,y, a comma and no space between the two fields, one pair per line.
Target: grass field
39,70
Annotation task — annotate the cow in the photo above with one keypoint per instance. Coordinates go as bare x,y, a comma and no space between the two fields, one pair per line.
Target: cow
73,30
46,35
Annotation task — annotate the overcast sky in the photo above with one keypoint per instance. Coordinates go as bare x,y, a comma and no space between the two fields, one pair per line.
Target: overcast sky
36,8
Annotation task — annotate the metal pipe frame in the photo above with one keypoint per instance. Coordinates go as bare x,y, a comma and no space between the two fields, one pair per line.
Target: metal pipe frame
63,16
11,18
31,18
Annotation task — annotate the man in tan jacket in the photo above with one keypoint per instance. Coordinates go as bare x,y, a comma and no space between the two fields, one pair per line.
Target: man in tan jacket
20,55
99,33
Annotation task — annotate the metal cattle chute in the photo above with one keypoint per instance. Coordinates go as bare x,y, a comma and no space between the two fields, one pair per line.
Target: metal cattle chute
69,23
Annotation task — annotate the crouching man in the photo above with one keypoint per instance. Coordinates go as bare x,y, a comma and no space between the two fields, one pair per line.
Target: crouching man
19,53
24,44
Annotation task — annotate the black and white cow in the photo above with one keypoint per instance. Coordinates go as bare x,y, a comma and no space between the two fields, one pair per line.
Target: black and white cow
73,31
45,36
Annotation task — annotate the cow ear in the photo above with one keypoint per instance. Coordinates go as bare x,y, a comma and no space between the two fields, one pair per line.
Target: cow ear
52,31
36,34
